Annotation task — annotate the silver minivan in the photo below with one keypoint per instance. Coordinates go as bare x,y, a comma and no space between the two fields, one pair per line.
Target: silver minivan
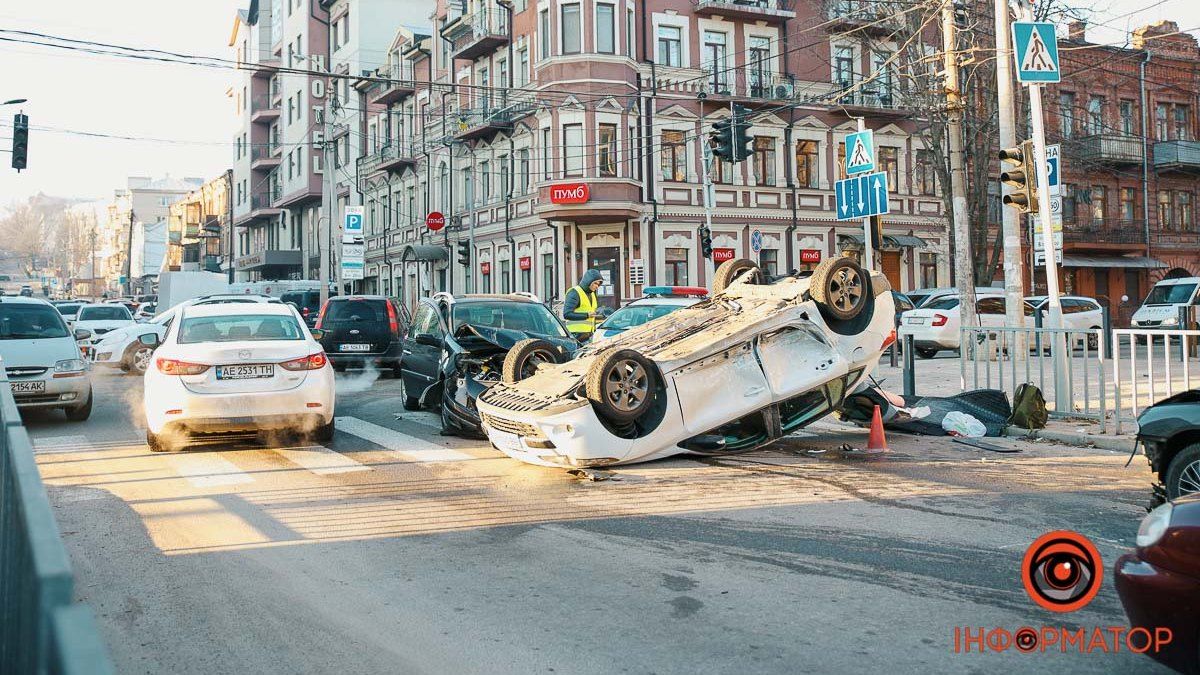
41,358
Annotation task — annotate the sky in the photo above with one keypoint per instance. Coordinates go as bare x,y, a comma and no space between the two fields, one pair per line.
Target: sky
184,110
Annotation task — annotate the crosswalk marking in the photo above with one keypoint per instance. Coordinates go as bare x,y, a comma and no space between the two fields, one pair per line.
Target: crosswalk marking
207,469
402,445
320,459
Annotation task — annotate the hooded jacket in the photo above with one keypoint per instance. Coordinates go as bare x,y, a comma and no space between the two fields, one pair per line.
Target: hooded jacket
571,299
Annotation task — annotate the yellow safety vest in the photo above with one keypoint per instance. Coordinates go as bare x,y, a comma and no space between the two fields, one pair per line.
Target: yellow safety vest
587,304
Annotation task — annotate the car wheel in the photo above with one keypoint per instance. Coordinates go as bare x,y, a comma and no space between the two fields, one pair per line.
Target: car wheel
621,385
411,402
523,359
324,433
396,370
840,287
339,368
1093,340
1183,474
138,357
925,352
82,412
730,270
448,428
155,442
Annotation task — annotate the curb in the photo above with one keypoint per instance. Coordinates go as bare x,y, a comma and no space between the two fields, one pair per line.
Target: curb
1116,443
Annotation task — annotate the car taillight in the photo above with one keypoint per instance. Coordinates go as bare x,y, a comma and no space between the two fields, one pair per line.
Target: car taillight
175,367
311,362
939,320
393,322
321,316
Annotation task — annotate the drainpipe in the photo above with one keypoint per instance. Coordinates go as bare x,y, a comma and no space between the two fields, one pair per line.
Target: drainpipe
553,290
512,246
1145,153
647,149
791,179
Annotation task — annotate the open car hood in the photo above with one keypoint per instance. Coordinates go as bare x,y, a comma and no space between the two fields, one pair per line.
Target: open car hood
488,339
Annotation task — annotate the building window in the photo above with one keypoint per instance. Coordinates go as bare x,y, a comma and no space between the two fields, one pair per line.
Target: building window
1160,122
1127,128
606,150
629,32
606,28
547,274
1095,115
764,160
889,162
768,260
670,46
677,266
1099,203
843,66
505,183
1166,216
1183,123
505,275
926,176
928,270
674,156
841,160
485,182
523,170
1068,201
546,158
713,54
573,150
522,74
722,171
570,29
1183,207
544,34
1066,114
1128,204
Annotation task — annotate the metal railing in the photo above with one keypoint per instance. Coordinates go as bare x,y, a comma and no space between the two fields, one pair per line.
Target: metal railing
41,630
1150,365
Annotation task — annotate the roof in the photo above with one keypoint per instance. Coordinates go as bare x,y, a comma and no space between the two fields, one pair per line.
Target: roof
236,308
480,297
23,300
895,240
423,252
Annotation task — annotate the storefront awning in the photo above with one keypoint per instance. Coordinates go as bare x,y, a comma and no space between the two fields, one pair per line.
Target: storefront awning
423,253
889,240
1133,261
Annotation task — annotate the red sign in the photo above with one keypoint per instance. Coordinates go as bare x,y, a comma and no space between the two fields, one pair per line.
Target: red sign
435,220
570,193
525,263
720,255
810,255
485,268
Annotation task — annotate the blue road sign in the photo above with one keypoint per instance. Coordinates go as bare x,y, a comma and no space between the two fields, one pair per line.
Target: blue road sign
352,225
756,241
862,196
1035,49
860,152
1052,168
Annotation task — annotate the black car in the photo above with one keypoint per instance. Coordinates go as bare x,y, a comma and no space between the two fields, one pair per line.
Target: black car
308,303
363,329
459,346
1169,432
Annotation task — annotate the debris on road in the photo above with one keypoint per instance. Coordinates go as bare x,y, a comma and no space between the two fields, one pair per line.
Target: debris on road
984,445
925,414
593,475
958,423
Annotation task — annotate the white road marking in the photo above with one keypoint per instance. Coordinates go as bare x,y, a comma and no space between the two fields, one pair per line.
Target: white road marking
320,459
78,443
206,469
402,445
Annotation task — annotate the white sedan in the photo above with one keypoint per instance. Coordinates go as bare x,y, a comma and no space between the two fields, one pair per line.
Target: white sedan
236,368
99,319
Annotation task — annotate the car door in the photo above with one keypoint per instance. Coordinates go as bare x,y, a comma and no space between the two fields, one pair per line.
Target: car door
423,347
991,312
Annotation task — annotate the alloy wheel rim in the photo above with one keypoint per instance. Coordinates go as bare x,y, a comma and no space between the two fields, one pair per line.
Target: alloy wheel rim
1189,480
626,386
845,289
141,358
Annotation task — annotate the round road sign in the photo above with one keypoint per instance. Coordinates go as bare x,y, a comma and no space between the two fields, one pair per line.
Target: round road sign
435,220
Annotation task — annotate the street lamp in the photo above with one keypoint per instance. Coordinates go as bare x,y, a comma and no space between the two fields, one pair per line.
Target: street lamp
14,101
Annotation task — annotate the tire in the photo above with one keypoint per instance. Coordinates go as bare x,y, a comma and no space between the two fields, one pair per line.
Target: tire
925,352
339,368
324,433
395,372
730,270
841,288
82,412
155,442
411,402
1093,340
131,362
525,356
621,385
1183,473
448,428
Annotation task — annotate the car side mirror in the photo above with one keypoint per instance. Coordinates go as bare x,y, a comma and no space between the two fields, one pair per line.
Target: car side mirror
149,339
428,340
318,334
82,333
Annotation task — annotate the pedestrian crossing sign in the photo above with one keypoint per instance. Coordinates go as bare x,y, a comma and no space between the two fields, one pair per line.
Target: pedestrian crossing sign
860,152
1035,49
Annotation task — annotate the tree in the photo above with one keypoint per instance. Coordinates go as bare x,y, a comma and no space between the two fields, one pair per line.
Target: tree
23,235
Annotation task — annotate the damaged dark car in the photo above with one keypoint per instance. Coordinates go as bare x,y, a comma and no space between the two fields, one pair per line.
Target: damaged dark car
1169,432
458,346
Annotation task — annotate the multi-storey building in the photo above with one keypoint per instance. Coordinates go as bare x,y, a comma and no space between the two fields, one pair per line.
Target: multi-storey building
134,235
1126,122
280,101
198,228
560,135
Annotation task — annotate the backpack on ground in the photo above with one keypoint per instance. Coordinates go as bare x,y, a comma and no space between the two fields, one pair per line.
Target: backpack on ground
1029,407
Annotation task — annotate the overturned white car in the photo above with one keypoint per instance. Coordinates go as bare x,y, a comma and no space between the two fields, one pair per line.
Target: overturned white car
751,364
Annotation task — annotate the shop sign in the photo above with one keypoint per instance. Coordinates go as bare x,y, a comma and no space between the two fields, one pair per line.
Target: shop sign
485,268
810,255
570,193
720,255
525,262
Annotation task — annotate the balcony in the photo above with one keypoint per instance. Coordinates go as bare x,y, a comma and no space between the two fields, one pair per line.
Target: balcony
748,83
490,117
1177,155
390,157
264,156
747,10
873,97
1086,233
1113,149
481,32
864,16
399,85
262,110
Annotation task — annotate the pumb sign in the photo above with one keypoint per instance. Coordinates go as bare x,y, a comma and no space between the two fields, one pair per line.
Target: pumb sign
570,193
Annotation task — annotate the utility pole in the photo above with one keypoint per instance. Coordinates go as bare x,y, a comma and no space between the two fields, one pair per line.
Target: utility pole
964,276
1014,284
129,251
707,155
325,222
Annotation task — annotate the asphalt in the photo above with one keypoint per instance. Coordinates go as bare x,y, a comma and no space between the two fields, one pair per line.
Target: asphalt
398,550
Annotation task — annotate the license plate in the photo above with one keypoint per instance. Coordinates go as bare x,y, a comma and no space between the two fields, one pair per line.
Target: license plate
505,441
916,320
248,372
31,387
356,348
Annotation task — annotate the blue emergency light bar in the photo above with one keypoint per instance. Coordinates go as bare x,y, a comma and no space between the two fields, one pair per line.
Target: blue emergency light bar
676,291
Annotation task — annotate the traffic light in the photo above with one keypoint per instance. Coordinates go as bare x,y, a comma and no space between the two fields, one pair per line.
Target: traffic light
960,14
741,133
464,253
705,242
20,141
722,139
1022,177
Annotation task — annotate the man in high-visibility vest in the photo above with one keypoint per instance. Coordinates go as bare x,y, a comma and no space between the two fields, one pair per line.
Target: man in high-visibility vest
580,305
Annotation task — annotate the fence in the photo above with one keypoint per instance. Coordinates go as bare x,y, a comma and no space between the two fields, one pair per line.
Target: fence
1149,365
41,630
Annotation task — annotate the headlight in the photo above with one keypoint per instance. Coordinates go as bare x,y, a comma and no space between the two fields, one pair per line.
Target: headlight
70,366
1154,525
1170,321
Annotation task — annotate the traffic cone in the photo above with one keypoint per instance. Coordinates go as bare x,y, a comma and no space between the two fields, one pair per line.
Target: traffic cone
876,442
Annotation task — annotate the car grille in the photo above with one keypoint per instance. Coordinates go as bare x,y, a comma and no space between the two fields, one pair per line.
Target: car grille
1149,323
515,399
518,428
35,398
24,371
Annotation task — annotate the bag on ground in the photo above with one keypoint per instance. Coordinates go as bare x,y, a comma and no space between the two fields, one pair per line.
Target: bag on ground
1029,407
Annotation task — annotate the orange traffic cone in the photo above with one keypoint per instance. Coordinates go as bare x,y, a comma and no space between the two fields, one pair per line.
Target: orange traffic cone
876,442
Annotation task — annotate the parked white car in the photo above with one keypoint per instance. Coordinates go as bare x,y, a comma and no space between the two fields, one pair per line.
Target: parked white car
236,368
754,362
1161,307
99,319
936,325
122,348
656,301
42,360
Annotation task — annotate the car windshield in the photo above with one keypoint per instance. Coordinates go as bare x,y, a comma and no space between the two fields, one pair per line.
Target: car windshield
530,317
942,303
636,315
1172,294
30,322
68,309
239,328
354,311
107,313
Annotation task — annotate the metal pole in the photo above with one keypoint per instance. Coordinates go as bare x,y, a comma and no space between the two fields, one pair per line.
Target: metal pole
964,276
1013,263
910,375
707,155
868,243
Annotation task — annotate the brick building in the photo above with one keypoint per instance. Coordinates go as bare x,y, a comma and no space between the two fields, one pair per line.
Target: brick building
566,134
